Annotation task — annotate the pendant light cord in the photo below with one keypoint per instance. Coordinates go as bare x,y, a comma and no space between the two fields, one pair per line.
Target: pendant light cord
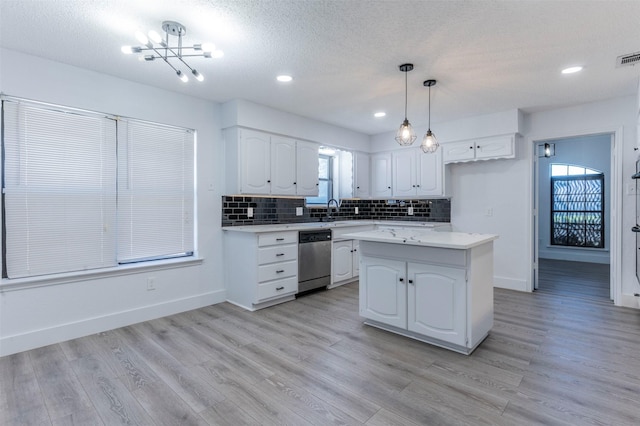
405,95
429,127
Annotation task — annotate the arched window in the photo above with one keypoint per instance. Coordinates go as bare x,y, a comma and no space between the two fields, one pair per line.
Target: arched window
577,206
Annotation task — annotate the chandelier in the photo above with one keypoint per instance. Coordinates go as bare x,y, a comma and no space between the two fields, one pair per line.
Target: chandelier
155,47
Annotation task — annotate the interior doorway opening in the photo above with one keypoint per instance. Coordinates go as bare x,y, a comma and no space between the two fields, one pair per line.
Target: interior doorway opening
572,216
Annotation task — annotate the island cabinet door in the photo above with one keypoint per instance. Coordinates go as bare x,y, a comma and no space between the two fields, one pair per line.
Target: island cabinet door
383,292
437,302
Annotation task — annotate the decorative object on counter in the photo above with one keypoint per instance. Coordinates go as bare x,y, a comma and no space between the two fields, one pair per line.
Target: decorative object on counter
165,51
405,135
429,143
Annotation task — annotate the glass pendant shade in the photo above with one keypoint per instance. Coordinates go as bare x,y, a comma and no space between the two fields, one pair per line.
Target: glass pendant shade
429,143
405,135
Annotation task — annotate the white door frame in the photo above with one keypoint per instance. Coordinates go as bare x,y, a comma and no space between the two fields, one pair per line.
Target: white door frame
615,240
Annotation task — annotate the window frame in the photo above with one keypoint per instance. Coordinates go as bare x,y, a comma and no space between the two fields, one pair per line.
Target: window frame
328,179
584,223
161,262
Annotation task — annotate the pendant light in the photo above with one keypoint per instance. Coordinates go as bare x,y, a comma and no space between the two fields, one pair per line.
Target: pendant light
405,135
429,143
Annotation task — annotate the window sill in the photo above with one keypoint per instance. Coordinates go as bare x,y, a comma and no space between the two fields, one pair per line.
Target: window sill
7,285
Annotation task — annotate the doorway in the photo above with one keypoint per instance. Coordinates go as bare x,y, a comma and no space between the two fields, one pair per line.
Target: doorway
573,195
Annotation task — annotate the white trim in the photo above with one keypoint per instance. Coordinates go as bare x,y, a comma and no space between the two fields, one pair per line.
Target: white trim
617,141
7,285
62,332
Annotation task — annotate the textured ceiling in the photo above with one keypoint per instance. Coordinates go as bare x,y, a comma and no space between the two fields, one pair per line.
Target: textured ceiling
487,56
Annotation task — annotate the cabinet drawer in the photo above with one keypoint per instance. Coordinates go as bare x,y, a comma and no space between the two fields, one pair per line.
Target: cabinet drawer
277,288
277,270
274,238
279,253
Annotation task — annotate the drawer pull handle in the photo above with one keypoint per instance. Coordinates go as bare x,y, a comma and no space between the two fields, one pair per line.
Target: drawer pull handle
279,271
279,239
279,288
279,254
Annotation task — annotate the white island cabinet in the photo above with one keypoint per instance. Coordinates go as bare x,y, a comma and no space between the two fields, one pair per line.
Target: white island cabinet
436,287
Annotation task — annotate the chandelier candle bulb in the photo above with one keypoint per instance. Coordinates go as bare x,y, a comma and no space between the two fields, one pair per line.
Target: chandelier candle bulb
163,49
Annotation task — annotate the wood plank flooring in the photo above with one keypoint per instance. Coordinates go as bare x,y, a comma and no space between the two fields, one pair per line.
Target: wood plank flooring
550,359
577,279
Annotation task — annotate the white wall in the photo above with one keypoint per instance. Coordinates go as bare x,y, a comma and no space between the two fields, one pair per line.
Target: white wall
244,113
41,312
593,151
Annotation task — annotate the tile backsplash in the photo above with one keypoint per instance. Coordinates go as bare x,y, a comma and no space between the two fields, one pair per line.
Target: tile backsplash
273,210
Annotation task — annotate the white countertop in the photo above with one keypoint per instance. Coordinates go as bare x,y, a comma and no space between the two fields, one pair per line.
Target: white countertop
419,237
336,224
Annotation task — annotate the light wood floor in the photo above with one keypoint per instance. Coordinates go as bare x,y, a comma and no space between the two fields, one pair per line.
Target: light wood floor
550,359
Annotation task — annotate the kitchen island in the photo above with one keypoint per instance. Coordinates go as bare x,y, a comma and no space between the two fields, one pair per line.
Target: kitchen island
436,287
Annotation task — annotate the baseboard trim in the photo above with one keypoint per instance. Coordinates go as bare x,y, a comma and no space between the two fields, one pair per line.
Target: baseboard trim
510,283
60,333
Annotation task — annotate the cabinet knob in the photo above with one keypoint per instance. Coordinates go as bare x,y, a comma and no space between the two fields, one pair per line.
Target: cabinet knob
355,250
418,186
470,147
401,280
351,251
357,187
478,146
317,184
410,281
279,288
268,181
413,186
295,183
388,187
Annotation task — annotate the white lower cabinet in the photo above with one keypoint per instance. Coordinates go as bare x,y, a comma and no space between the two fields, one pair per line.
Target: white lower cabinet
383,294
436,302
261,269
448,302
345,255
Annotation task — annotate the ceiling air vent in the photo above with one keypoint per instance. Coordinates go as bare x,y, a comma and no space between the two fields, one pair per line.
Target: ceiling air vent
626,60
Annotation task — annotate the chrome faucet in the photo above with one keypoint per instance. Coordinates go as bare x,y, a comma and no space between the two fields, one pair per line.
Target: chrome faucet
329,216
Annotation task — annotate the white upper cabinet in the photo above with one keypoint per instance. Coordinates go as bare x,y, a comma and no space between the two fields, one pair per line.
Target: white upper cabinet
362,175
306,168
255,166
417,174
283,166
381,175
479,149
270,165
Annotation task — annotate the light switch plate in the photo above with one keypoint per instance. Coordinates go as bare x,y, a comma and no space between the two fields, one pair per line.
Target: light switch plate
410,211
249,211
357,211
298,211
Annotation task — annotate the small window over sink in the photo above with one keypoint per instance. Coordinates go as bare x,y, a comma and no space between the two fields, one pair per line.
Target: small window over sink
335,176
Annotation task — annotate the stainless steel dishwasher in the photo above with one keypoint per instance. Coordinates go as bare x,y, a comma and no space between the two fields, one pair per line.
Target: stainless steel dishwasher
314,259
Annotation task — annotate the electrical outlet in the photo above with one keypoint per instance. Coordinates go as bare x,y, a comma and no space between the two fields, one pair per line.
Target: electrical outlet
298,211
151,283
410,211
249,211
357,211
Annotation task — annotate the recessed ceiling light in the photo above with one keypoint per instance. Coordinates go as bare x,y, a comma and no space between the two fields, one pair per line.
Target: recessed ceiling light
379,114
571,70
284,78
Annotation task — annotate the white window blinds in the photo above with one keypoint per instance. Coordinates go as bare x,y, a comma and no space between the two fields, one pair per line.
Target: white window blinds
155,191
59,190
